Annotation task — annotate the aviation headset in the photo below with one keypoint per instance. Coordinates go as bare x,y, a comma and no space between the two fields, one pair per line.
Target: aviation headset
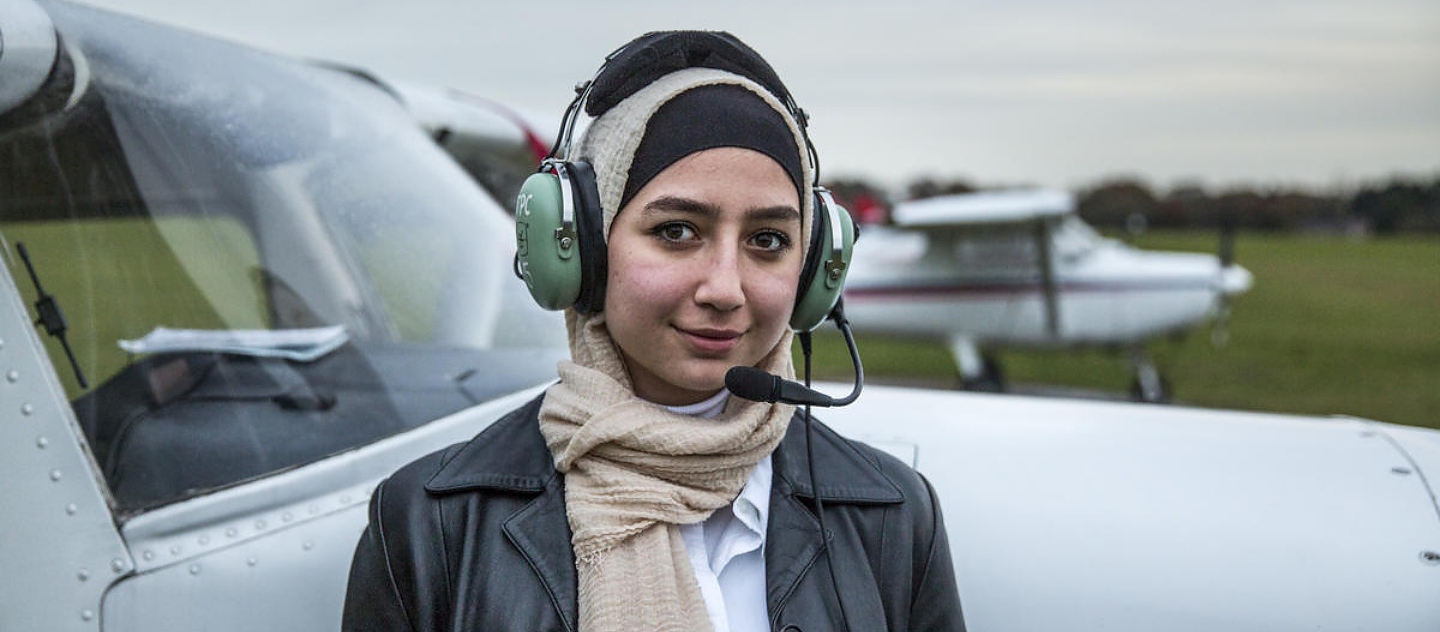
559,223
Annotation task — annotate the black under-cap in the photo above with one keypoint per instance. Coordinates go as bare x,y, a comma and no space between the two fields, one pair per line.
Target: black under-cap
706,117
658,53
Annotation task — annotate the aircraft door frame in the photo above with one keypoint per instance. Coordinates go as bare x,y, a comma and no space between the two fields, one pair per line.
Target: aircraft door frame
62,549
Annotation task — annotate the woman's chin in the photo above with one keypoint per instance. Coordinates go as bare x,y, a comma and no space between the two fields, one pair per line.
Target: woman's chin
689,391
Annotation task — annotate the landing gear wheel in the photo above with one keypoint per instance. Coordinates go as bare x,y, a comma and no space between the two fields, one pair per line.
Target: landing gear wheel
1157,392
990,380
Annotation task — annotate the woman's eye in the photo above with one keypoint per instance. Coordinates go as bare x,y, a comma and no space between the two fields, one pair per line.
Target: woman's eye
770,241
675,231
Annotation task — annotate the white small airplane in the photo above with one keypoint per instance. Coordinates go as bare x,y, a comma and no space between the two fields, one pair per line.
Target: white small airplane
1020,268
237,291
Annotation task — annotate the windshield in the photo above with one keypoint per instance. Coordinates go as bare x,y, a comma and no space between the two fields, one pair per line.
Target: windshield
1074,238
260,262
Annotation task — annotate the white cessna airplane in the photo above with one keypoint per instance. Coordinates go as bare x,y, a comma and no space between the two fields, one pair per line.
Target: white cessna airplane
1020,268
237,291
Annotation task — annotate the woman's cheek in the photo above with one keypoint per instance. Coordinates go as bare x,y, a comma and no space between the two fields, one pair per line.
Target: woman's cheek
645,285
658,275
778,289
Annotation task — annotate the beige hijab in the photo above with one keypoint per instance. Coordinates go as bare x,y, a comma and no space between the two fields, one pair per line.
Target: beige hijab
635,471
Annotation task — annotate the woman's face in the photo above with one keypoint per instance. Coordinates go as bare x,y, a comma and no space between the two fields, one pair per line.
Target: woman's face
704,263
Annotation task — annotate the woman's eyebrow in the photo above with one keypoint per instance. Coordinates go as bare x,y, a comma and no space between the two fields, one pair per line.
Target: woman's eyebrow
676,204
778,213
671,203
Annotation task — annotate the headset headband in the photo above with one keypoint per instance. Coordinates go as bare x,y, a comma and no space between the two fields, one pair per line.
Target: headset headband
640,62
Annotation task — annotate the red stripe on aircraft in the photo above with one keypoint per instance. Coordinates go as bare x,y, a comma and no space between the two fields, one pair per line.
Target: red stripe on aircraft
1020,287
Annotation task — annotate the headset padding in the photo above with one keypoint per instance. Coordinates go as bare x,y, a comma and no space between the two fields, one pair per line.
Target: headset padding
590,224
813,256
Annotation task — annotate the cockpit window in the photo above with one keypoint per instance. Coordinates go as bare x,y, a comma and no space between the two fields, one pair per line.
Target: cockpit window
1074,238
195,215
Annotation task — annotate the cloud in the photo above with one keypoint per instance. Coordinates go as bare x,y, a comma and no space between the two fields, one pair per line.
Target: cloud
1048,91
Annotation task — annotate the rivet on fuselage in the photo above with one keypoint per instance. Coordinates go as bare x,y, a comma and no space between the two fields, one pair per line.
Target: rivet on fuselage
175,550
251,561
84,574
55,475
286,517
259,524
27,409
204,540
194,569
72,509
87,614
117,565
308,545
231,532
42,442
13,376
148,555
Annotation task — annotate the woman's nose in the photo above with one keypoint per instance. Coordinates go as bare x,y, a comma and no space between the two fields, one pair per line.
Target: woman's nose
720,284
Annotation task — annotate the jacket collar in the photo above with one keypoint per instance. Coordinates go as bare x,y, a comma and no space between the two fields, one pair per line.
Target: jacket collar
511,456
846,475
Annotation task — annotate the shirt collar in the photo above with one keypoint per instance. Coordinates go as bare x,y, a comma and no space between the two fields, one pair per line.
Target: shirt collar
708,408
752,506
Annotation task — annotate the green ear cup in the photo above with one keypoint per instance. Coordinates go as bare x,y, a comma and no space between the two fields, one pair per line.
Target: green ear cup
547,250
820,295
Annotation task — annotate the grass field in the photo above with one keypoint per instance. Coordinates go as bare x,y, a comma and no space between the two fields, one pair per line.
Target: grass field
1332,326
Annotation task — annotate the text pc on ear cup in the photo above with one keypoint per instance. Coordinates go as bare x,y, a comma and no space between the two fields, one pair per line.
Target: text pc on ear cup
560,253
546,241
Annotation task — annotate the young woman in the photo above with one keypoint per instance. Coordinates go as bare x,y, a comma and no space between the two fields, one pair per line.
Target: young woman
637,494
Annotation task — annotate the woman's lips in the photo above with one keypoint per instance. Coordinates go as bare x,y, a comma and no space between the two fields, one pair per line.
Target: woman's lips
708,340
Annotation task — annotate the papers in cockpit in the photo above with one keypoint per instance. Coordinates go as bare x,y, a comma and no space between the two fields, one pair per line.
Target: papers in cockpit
301,345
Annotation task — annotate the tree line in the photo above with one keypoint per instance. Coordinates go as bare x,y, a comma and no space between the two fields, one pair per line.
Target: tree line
1396,205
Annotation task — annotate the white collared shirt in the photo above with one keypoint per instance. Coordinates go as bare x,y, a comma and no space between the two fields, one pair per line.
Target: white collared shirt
727,550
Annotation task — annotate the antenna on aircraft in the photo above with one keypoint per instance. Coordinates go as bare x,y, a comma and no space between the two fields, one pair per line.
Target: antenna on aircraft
50,315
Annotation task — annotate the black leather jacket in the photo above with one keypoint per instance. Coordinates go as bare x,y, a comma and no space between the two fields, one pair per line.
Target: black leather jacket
474,537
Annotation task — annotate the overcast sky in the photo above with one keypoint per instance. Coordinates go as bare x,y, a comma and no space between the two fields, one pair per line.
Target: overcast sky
1048,92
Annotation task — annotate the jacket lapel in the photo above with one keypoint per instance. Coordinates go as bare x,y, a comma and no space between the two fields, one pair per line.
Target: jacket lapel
539,530
511,456
793,539
792,542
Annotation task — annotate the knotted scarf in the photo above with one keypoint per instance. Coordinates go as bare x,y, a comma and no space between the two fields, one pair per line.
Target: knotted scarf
634,471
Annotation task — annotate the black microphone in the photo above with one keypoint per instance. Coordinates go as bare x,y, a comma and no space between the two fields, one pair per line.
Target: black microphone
758,386
750,383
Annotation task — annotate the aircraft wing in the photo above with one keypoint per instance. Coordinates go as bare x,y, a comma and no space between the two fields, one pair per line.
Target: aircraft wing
1079,515
1007,226
983,209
